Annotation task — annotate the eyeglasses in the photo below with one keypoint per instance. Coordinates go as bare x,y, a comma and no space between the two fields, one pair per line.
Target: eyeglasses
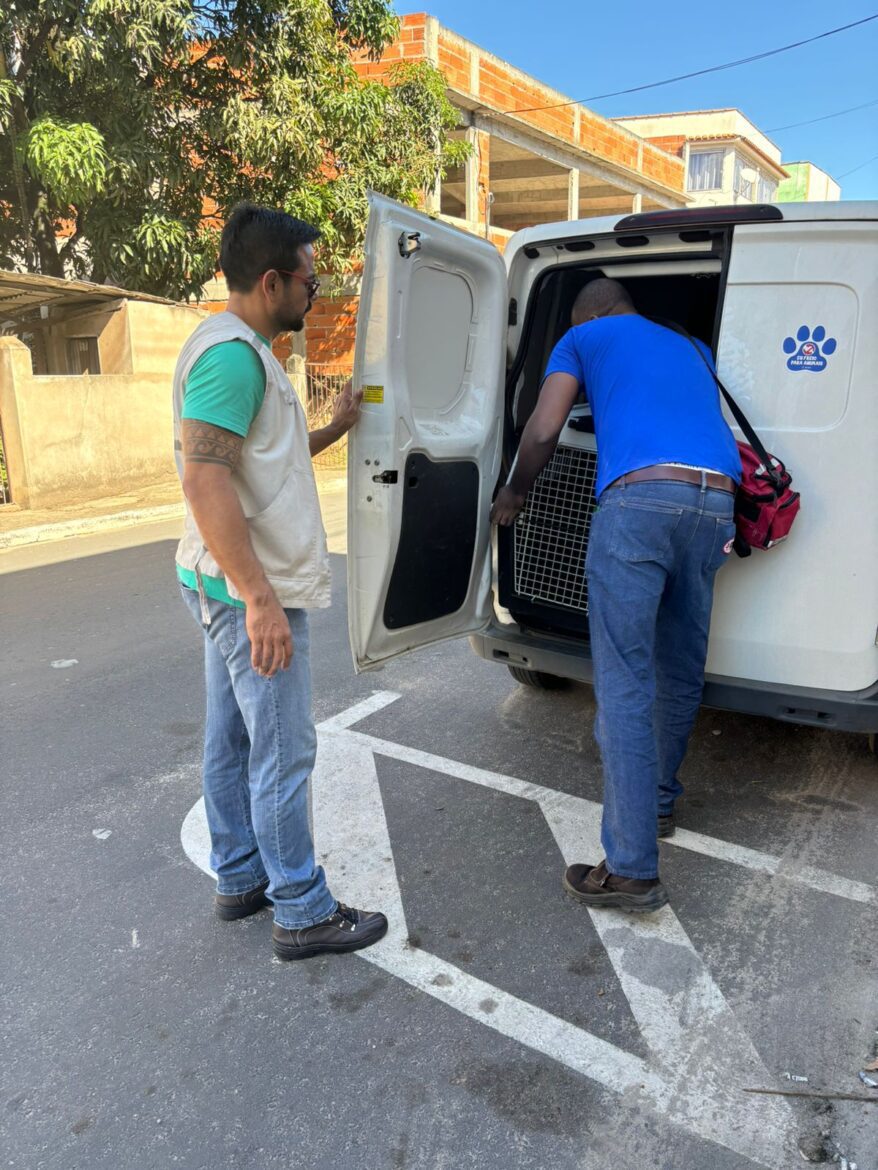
311,283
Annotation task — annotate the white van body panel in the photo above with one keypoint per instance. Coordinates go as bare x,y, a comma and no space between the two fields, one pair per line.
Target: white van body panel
430,354
806,612
800,619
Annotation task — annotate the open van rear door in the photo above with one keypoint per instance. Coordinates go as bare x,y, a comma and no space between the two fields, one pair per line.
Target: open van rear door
424,457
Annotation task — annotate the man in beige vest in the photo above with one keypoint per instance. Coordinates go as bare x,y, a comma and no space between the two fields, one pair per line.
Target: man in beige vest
251,563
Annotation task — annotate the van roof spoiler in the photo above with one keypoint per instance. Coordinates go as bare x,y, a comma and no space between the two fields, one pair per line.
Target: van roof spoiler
686,217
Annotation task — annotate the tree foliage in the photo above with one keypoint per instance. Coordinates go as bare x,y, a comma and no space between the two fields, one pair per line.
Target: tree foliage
122,120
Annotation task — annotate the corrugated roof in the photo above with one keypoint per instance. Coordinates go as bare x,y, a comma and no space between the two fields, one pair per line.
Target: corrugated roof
21,292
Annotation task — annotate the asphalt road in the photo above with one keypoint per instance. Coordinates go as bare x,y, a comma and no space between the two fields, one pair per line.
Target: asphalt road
500,1025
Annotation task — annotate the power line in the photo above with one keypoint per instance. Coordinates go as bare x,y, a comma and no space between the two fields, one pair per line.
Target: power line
825,118
874,158
699,72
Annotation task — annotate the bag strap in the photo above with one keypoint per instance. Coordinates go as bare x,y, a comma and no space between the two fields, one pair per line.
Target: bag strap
740,418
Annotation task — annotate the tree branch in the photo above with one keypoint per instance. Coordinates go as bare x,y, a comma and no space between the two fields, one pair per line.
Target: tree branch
29,53
16,130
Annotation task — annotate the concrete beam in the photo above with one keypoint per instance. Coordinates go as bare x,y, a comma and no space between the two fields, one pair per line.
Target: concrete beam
525,169
570,159
521,198
546,183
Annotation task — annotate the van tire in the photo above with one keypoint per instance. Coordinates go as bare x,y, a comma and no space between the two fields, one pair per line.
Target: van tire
538,679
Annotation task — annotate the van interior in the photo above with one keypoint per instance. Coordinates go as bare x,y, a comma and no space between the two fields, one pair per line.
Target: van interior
541,577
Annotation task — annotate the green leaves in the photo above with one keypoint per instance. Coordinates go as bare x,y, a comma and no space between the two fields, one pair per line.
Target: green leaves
8,91
142,122
69,159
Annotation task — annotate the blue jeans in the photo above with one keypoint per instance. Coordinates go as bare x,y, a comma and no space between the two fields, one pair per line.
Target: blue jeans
259,751
653,554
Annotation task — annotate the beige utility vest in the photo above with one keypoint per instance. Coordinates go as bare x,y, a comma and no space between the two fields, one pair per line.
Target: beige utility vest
274,480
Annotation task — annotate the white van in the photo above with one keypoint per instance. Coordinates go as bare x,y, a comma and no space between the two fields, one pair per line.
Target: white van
452,343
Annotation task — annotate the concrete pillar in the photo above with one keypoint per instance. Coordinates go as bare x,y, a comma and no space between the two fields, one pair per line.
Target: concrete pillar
298,378
573,194
637,204
431,41
433,199
475,71
728,194
478,171
16,374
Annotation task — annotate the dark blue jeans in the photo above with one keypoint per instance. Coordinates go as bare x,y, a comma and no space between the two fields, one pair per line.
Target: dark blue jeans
653,554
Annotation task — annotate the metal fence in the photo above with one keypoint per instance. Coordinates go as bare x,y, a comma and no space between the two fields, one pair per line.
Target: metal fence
324,384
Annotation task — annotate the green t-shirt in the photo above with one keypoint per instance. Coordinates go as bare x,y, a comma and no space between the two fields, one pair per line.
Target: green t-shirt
225,388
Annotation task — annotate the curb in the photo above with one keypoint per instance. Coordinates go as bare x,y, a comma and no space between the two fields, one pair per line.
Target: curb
40,533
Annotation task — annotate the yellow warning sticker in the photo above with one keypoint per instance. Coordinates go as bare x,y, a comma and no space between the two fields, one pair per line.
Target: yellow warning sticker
373,393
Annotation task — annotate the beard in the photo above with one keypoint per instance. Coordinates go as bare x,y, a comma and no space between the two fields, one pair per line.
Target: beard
287,324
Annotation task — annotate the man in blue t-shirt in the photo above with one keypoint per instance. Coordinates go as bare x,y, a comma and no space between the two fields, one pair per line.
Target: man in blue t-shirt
667,470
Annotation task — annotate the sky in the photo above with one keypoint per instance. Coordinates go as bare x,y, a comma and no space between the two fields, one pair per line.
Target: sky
584,49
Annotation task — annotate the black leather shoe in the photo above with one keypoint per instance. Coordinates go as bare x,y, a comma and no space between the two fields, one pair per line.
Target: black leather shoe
346,929
594,885
667,826
231,906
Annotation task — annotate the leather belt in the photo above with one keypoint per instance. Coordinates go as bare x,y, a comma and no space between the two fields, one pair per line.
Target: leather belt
665,471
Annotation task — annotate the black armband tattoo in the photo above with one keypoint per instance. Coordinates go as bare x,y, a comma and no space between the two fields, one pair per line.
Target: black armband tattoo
203,443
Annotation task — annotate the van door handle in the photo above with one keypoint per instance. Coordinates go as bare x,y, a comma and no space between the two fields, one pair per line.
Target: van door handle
386,477
409,243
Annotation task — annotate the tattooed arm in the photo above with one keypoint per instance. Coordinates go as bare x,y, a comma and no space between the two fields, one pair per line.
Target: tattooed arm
210,455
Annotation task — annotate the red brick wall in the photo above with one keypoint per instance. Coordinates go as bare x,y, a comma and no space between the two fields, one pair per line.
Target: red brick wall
331,330
455,62
411,46
504,91
500,88
670,143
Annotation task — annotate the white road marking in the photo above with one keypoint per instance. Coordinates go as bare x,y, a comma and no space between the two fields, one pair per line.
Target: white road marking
364,873
102,834
63,663
135,940
590,811
362,710
699,1055
703,1053
195,837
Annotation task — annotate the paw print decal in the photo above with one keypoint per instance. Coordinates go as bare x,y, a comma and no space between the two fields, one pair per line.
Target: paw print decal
809,349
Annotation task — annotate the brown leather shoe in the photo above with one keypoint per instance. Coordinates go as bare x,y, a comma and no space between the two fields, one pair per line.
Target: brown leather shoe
594,885
346,929
231,906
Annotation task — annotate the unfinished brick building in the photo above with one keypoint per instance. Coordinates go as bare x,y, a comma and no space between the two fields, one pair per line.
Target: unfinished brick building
529,164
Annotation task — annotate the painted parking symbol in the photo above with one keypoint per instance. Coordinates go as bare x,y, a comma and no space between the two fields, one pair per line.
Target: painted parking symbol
699,1057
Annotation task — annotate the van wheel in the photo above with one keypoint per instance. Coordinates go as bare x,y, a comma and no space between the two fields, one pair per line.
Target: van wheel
538,679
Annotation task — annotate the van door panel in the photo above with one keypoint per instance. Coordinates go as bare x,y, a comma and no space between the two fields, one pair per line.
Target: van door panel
430,357
440,504
805,613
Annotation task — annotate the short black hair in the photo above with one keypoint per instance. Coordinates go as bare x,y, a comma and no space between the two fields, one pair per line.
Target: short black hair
600,297
256,239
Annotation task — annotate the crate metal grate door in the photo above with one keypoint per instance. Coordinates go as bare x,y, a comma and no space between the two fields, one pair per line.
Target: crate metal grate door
550,536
